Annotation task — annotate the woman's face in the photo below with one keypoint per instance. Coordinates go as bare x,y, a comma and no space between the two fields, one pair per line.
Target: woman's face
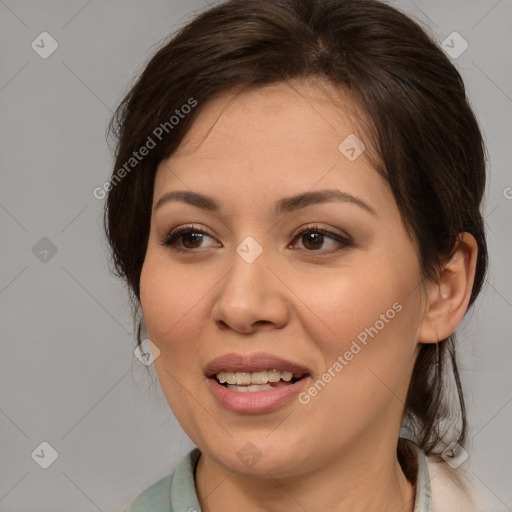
295,260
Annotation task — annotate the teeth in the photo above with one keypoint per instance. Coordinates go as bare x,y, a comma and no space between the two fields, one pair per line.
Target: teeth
250,389
273,375
287,376
243,378
230,378
260,377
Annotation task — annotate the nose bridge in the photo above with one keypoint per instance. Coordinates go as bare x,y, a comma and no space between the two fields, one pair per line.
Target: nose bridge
245,283
249,294
249,262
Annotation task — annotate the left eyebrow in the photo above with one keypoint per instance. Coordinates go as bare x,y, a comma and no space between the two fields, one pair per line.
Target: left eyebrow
294,203
283,206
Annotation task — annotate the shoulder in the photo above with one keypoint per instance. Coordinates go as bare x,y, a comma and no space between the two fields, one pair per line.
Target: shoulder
442,488
155,497
458,490
171,491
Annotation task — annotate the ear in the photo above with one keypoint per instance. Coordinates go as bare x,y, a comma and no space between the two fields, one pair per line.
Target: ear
448,299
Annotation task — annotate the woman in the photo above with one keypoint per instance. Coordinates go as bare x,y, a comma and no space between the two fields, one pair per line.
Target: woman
295,207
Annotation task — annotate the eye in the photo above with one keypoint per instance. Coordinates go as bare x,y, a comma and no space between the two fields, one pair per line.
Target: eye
186,238
314,239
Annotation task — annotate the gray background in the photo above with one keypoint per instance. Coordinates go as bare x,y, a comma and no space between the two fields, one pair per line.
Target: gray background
68,375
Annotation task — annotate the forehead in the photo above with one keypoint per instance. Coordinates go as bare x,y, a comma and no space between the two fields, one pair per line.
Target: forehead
263,140
296,113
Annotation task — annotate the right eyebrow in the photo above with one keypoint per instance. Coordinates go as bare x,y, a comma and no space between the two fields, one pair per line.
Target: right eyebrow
192,198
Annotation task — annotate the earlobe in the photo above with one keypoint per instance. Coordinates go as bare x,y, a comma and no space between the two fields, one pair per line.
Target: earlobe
448,299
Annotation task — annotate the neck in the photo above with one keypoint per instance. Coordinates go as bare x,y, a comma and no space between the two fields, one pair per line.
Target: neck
356,481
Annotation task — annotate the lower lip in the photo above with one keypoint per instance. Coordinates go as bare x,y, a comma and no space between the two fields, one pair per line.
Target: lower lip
256,401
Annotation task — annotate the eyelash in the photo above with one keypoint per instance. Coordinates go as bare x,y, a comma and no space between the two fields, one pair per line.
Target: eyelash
170,239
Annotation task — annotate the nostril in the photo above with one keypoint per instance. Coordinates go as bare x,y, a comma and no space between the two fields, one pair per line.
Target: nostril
222,325
262,322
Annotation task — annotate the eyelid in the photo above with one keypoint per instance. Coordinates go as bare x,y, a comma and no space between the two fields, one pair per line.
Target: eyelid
339,237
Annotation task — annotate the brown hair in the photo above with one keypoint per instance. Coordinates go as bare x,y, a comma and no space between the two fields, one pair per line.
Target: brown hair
426,136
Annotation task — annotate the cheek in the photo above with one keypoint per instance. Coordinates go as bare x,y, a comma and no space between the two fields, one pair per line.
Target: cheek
364,320
176,303
170,301
340,304
366,329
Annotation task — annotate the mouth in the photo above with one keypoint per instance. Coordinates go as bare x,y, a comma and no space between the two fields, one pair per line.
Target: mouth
255,383
263,380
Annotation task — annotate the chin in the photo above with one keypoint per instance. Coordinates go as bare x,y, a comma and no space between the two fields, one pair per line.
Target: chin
259,458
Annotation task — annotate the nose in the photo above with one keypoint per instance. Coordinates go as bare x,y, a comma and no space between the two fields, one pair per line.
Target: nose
250,298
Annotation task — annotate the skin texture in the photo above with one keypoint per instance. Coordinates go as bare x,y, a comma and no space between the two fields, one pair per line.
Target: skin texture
302,300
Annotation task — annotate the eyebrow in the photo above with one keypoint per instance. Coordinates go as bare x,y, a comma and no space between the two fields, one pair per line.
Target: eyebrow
283,206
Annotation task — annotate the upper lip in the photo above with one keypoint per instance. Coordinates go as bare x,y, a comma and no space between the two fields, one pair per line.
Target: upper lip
252,363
